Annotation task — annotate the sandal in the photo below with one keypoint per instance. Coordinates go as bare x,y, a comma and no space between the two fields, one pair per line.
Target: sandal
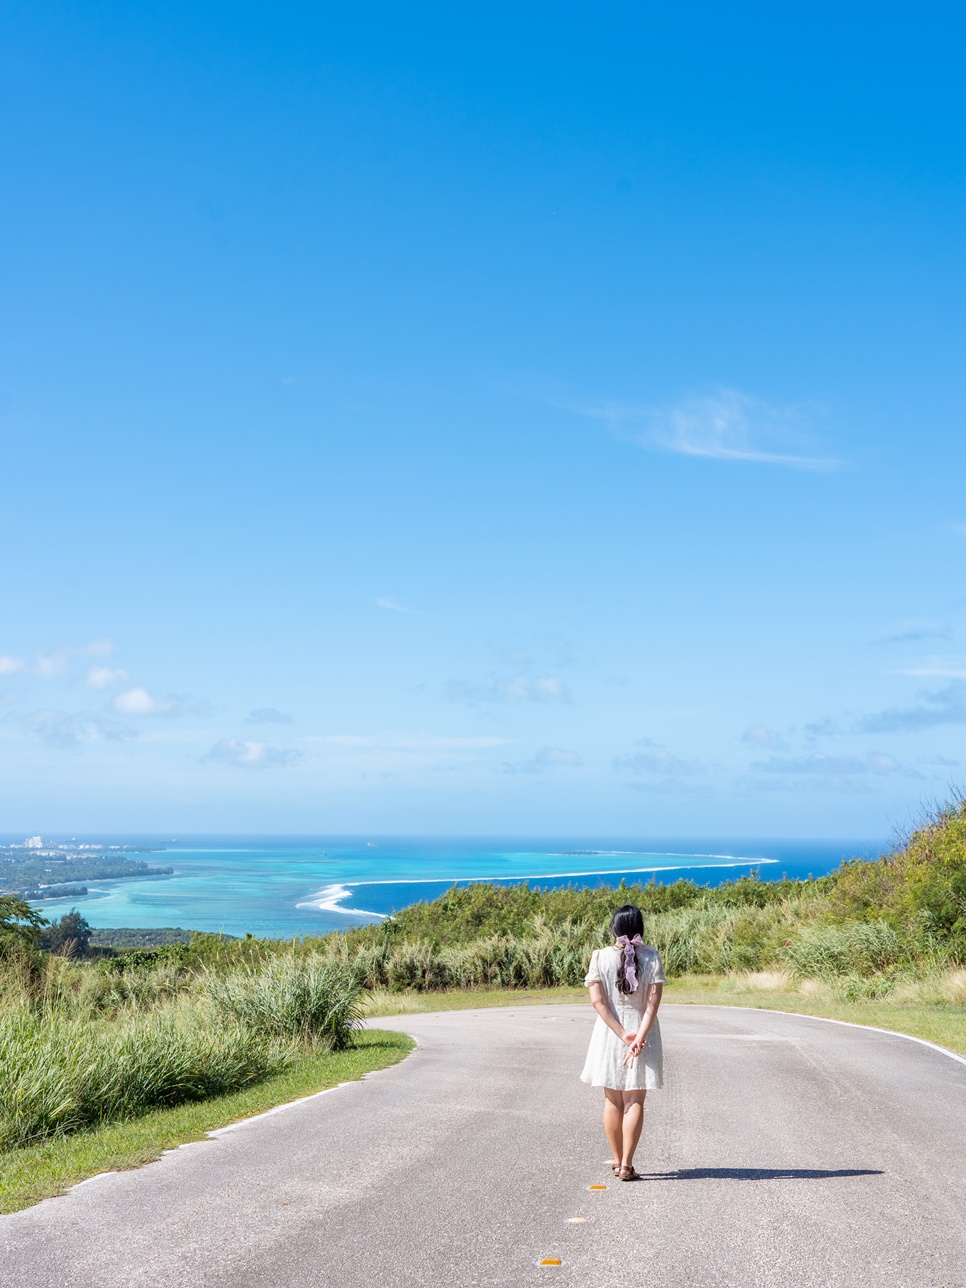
627,1174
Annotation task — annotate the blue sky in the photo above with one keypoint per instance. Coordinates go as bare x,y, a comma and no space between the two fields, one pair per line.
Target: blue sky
482,418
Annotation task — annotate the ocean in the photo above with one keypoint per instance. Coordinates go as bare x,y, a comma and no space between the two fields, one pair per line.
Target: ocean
288,886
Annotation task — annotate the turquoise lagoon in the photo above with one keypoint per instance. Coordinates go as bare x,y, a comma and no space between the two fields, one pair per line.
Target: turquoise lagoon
288,886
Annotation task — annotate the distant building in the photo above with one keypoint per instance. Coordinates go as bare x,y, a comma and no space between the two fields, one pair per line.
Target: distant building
34,843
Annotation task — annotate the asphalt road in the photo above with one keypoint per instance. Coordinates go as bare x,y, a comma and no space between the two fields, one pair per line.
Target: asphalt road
783,1151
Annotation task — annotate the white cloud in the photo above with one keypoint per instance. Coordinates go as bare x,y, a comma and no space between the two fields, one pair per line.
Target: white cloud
55,661
246,753
762,736
727,426
392,606
267,715
547,758
517,688
51,664
102,677
140,702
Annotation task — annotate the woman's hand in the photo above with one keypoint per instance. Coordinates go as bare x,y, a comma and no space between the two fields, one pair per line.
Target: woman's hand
629,1037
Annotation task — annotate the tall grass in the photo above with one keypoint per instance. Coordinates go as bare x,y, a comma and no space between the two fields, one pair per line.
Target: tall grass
62,1074
857,948
81,1046
711,939
310,999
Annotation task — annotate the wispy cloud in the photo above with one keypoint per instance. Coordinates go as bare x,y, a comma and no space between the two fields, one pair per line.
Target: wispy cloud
267,715
677,786
407,742
761,736
544,652
657,760
246,753
72,729
516,688
914,634
393,606
818,772
820,765
102,677
547,758
945,706
655,769
139,701
727,425
937,668
826,728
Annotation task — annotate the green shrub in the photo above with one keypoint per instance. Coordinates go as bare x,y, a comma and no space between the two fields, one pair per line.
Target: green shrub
136,959
305,999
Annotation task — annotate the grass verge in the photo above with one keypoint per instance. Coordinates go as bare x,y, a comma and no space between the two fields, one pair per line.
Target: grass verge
40,1171
945,1025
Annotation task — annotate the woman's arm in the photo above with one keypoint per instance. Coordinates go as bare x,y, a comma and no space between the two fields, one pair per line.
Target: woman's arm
654,994
599,1003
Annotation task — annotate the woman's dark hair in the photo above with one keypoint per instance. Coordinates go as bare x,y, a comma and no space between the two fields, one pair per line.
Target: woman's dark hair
628,921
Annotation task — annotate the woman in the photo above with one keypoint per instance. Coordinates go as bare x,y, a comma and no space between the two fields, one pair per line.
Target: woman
625,1057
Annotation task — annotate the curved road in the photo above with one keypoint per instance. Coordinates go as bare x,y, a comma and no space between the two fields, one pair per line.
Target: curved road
783,1151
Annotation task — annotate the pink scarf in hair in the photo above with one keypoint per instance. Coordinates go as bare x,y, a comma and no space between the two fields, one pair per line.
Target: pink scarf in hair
630,958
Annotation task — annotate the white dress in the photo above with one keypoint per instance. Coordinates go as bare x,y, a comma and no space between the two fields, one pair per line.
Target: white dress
604,1066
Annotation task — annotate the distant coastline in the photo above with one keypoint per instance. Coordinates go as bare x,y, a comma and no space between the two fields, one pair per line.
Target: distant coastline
39,870
282,887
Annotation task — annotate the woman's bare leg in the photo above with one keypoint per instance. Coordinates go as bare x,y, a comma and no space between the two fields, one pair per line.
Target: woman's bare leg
632,1123
614,1122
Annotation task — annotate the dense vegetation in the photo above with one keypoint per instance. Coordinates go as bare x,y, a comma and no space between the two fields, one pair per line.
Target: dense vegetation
92,1033
29,873
136,937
